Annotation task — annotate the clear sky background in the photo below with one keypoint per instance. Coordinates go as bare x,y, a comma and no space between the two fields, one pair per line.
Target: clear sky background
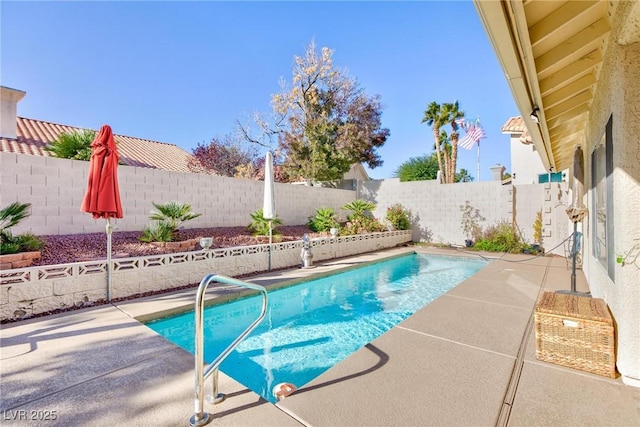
184,72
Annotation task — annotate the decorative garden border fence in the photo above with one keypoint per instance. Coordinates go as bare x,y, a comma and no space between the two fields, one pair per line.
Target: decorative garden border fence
28,291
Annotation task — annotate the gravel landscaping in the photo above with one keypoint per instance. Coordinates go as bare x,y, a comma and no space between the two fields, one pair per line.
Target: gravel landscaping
81,247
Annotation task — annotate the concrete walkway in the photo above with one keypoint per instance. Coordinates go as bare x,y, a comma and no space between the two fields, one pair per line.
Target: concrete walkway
468,358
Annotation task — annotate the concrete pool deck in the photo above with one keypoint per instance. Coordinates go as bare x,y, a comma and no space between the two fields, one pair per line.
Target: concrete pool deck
468,358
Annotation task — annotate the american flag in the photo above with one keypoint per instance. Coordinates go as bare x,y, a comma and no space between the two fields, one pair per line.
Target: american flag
474,134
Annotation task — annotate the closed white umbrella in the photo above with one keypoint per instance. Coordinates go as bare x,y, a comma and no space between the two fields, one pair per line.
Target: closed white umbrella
269,207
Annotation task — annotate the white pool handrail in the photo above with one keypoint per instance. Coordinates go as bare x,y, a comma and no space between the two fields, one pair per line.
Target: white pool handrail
200,417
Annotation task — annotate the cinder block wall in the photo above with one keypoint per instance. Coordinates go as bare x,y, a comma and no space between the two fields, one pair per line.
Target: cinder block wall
55,188
436,207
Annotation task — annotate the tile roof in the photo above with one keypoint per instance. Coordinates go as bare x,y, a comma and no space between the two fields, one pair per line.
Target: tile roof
516,125
34,135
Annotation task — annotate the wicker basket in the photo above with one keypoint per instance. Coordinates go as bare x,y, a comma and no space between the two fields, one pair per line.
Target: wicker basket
576,332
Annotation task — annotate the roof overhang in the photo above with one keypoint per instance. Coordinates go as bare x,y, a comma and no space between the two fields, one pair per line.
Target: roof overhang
551,52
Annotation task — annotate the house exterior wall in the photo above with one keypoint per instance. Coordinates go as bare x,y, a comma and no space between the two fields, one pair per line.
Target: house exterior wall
526,164
356,172
55,188
618,96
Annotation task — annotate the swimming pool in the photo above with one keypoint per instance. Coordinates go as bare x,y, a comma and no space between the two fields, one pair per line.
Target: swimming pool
314,325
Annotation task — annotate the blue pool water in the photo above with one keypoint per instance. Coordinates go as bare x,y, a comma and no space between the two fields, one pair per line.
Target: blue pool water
312,326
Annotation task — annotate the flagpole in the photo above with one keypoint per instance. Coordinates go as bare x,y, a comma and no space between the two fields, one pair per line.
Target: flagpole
478,160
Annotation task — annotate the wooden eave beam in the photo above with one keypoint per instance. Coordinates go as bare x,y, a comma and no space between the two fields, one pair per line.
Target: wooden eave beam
574,47
569,91
577,68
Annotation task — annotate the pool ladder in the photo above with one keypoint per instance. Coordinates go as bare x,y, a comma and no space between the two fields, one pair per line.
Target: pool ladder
200,417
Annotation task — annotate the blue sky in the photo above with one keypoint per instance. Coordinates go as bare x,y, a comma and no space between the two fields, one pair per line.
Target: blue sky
184,72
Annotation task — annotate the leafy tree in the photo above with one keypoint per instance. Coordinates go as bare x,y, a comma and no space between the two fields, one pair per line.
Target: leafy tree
437,116
73,145
222,156
279,172
325,122
463,176
418,168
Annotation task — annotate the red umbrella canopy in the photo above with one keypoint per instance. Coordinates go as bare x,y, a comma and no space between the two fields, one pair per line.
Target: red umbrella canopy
102,199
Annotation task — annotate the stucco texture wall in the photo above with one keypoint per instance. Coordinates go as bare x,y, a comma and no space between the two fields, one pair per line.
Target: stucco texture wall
618,97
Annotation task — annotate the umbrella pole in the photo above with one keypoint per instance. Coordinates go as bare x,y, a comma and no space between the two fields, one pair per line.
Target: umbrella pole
574,254
270,242
109,229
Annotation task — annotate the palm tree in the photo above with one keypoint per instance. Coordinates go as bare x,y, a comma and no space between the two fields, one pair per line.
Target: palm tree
173,214
433,117
437,116
73,145
445,149
453,114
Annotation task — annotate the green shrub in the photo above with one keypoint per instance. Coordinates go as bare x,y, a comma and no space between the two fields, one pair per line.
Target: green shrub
173,214
360,208
502,237
29,242
324,220
260,226
398,217
74,145
362,225
157,231
166,220
8,247
25,242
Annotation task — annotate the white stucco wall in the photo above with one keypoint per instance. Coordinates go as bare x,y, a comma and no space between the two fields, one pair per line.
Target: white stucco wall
618,96
526,164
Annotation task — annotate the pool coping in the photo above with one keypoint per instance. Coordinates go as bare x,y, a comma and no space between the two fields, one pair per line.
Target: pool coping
140,310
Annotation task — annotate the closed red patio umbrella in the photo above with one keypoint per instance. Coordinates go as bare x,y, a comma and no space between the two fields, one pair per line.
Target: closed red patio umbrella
102,199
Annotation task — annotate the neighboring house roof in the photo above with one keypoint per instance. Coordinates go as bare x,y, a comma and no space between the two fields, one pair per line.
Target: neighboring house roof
34,135
357,171
515,125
